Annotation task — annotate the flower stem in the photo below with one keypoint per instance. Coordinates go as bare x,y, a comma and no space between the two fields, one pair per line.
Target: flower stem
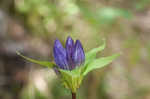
73,95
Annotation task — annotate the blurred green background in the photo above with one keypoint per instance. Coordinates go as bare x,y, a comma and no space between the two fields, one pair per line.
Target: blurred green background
31,26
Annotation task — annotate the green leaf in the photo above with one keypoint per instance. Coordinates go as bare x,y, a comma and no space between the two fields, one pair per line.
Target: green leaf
91,55
99,63
42,63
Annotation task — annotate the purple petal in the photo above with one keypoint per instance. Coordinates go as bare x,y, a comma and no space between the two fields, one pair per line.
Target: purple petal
70,49
69,45
78,55
60,55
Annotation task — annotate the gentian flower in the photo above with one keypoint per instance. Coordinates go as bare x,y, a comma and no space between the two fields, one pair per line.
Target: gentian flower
71,56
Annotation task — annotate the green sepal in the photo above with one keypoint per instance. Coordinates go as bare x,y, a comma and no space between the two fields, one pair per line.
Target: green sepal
98,63
42,63
71,79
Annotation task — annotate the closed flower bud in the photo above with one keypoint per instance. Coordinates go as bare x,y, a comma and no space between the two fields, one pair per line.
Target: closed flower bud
71,56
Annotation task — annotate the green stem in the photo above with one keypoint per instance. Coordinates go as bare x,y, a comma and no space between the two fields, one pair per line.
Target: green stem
73,95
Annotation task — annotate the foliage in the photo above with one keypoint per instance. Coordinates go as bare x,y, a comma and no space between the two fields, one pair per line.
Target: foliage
72,79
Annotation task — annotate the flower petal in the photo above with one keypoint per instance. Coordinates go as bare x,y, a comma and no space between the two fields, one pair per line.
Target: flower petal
78,55
69,45
70,49
60,55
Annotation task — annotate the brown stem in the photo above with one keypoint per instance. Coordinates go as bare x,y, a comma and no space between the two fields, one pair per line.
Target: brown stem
73,95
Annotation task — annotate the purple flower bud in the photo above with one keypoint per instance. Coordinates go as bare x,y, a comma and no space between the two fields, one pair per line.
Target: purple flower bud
70,49
70,57
78,55
60,55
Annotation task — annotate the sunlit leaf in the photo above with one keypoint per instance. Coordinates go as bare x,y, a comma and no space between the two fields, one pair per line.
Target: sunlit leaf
89,56
42,63
99,63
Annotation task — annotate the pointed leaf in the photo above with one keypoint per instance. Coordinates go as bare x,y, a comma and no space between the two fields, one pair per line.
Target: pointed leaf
89,56
42,63
99,63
